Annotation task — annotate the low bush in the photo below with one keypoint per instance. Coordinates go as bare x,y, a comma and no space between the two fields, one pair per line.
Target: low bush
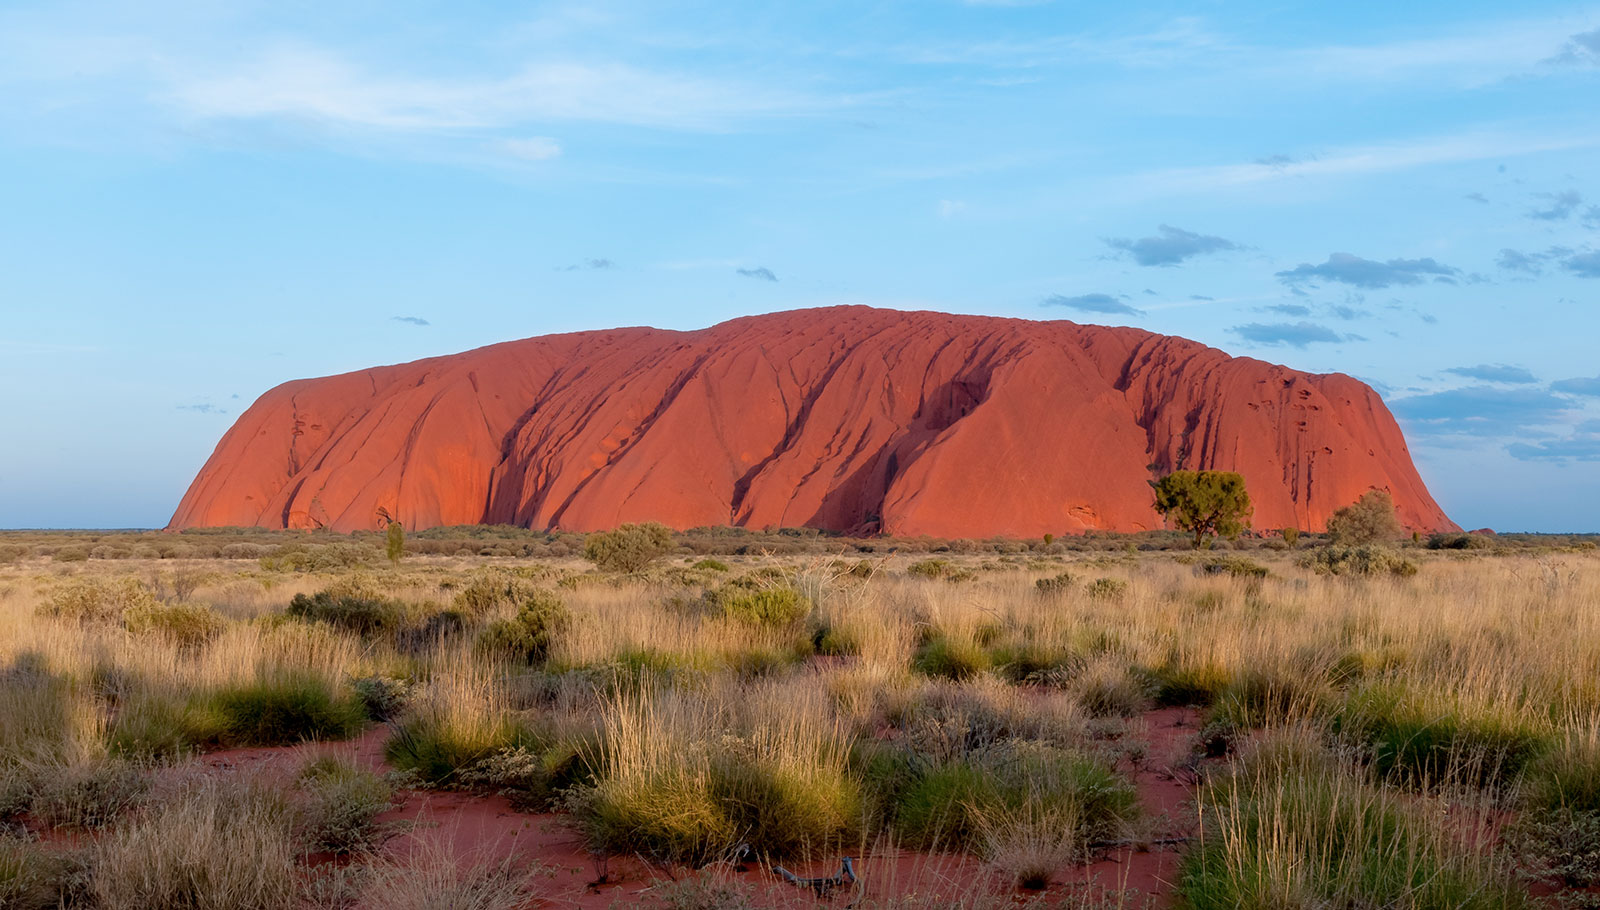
183,624
1237,566
97,600
1055,584
382,697
358,613
630,548
710,565
1365,560
1458,541
341,805
526,637
1108,589
772,606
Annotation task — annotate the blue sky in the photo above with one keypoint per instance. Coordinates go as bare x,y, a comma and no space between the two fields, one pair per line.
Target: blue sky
201,201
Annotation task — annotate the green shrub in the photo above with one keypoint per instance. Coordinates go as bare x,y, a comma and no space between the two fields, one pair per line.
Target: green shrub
361,614
187,625
1458,541
96,600
490,591
950,658
763,607
1237,566
1362,560
285,710
382,697
528,636
70,554
341,805
1108,589
710,565
1055,584
630,548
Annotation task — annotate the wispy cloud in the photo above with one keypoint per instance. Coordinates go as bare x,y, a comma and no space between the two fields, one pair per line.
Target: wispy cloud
760,273
1582,49
1584,265
533,148
1495,372
1582,445
1346,268
590,265
201,408
1092,303
1589,385
1557,206
305,82
1477,145
1293,334
1170,246
1480,410
410,320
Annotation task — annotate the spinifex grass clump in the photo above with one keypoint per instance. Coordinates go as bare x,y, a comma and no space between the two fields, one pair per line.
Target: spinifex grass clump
340,803
1010,794
212,844
1291,825
455,720
690,776
282,709
1429,739
1557,833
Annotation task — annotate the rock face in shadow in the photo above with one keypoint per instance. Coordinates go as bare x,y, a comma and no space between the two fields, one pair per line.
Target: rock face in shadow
845,418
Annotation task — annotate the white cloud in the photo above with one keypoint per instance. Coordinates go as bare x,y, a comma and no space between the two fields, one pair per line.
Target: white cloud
949,208
1355,160
533,148
305,82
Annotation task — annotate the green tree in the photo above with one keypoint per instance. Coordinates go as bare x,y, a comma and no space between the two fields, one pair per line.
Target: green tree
630,548
1369,519
1204,502
1291,536
394,544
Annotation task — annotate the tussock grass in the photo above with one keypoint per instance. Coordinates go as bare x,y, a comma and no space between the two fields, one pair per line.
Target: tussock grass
1294,826
216,844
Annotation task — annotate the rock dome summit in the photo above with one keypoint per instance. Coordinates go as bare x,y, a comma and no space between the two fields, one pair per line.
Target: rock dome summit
848,419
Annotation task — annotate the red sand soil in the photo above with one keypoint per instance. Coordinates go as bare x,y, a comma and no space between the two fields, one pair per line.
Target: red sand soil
844,418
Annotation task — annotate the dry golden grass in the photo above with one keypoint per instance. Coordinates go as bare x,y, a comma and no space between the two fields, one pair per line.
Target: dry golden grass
1475,682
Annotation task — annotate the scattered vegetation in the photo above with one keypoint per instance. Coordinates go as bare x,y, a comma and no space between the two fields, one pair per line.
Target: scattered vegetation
1381,723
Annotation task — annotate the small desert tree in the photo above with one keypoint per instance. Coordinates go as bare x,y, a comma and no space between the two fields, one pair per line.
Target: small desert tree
394,544
1291,536
1370,519
630,548
1204,502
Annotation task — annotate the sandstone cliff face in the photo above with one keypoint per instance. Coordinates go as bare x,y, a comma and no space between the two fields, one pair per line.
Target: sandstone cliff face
845,418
